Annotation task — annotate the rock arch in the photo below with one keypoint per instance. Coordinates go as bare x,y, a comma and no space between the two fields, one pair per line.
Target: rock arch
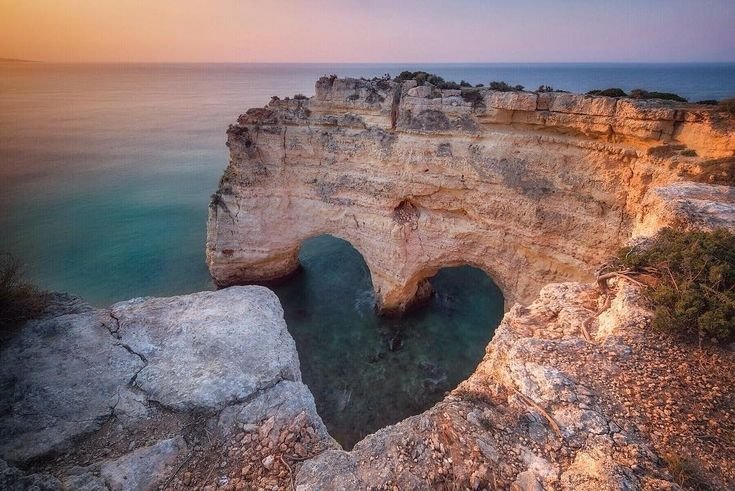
531,188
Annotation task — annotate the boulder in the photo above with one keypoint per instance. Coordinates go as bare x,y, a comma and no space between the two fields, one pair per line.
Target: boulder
206,350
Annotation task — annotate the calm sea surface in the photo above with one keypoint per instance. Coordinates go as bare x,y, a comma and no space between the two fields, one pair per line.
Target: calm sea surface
105,177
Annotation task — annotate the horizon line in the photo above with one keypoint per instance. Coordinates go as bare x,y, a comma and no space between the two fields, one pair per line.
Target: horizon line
133,62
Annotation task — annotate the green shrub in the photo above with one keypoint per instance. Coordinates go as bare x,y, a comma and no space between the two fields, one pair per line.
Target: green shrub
465,83
19,300
612,92
689,153
300,97
505,87
708,102
666,96
692,286
422,78
474,97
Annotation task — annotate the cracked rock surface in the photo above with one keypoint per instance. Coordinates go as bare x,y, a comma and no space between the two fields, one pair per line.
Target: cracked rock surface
125,398
209,349
60,378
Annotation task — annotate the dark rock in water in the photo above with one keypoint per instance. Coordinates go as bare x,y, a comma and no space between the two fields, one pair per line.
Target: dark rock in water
396,343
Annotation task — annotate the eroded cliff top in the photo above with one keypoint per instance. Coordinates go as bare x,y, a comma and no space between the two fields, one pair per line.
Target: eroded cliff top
406,106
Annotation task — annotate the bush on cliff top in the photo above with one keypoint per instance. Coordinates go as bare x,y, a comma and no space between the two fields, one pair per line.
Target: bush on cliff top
691,282
727,105
613,92
19,300
666,96
638,94
505,87
422,78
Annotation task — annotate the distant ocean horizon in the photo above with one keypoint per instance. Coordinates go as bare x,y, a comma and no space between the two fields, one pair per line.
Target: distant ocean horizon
106,169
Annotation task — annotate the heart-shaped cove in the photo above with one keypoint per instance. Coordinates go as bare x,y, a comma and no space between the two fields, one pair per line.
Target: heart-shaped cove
366,371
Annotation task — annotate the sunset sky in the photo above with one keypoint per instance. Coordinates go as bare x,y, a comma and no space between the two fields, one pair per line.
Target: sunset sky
367,30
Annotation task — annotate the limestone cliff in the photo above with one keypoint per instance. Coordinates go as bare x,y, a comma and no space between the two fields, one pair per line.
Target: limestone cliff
530,187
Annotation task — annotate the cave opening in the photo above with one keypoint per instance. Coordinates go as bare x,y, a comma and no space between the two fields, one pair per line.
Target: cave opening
368,371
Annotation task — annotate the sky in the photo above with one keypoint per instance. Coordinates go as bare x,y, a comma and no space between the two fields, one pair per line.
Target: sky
368,30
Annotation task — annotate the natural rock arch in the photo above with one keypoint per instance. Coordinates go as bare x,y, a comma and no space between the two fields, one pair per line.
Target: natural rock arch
531,188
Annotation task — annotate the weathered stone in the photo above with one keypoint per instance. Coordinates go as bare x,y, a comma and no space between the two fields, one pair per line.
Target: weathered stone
60,379
13,479
210,349
687,205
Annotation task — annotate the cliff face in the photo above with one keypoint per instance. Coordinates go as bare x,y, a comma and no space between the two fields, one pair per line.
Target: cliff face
532,188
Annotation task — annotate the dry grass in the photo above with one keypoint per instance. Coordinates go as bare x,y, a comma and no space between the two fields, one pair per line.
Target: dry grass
19,300
686,472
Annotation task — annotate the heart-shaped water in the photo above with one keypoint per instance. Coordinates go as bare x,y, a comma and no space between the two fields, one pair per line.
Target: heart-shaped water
367,371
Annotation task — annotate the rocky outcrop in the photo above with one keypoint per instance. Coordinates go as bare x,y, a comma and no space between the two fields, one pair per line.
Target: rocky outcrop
532,188
526,419
567,397
61,379
125,398
687,205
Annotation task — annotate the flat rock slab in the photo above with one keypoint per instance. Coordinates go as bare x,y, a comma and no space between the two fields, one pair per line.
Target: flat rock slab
60,378
65,375
207,350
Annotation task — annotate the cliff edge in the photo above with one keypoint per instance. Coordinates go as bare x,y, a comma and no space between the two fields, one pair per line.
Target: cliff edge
530,187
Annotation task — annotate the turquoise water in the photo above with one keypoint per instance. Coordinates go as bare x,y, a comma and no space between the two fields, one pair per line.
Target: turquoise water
367,372
105,177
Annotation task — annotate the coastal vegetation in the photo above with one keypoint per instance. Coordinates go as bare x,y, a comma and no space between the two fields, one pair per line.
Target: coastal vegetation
422,78
613,92
690,282
19,299
638,94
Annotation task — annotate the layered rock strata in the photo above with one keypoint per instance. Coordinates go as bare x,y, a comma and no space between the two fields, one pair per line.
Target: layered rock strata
532,188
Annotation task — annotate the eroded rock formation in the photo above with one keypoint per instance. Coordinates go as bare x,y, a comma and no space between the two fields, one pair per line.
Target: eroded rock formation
530,187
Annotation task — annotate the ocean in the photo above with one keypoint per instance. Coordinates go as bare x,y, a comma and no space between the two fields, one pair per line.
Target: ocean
105,178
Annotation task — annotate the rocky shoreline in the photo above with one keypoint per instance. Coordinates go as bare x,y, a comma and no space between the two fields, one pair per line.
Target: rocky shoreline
562,400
